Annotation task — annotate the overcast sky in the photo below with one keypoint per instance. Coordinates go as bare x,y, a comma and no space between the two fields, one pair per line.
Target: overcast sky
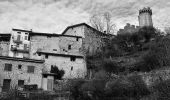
55,15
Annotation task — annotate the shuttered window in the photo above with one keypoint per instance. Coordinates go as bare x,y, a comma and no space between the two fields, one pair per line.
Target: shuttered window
8,67
31,69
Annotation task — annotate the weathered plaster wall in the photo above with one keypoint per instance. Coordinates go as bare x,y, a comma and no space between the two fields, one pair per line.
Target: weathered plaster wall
4,48
55,45
93,41
43,44
21,45
76,31
21,74
73,69
74,42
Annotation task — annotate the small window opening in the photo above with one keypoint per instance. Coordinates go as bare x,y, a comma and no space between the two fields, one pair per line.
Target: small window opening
39,54
72,58
69,47
19,66
71,67
77,39
46,56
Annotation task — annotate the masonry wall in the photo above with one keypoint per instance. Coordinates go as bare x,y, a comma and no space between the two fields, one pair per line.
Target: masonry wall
74,42
43,44
21,74
76,31
73,69
4,48
93,41
57,45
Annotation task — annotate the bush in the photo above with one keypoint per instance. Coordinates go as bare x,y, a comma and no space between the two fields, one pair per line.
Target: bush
129,87
110,66
163,89
59,73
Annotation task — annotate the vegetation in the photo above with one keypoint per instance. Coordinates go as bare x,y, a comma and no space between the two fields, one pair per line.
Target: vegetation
59,73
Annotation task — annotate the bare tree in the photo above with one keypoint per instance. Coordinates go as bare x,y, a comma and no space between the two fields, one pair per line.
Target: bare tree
103,22
167,30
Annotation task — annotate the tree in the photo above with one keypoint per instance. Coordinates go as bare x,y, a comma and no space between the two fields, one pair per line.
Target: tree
167,30
59,73
103,22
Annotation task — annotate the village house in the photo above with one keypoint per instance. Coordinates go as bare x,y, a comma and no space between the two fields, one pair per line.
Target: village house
24,51
18,72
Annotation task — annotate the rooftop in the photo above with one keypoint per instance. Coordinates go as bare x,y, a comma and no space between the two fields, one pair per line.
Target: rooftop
51,34
21,59
81,24
63,55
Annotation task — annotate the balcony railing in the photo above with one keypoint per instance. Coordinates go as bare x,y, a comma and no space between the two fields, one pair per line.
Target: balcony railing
17,41
14,48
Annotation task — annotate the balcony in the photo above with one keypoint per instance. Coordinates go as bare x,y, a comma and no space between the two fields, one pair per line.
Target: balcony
24,50
17,41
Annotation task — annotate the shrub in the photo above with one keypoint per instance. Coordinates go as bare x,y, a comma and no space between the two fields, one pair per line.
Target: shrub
110,66
59,73
163,89
128,87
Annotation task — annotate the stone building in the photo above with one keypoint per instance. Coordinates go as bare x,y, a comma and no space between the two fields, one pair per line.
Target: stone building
63,51
18,72
24,51
92,39
145,17
19,43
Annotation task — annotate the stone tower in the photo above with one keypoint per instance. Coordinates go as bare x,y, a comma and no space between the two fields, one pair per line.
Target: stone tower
145,17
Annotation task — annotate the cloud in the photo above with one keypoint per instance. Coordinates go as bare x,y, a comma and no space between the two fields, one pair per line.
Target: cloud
55,15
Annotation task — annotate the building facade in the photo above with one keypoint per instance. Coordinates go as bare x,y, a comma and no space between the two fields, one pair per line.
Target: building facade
27,57
19,43
18,72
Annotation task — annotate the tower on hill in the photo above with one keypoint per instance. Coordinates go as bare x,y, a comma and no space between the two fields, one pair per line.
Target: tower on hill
145,17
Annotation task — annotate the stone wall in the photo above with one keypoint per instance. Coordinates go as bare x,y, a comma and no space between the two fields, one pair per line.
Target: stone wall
21,74
57,45
73,69
4,48
93,41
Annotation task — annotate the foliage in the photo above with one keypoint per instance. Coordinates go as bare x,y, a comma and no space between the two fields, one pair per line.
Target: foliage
163,89
128,87
158,56
101,75
75,88
59,73
110,66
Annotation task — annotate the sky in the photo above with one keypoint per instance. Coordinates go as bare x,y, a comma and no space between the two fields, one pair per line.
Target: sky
53,16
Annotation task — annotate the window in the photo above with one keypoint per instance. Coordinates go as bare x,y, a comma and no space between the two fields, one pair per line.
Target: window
46,56
54,49
77,39
20,83
19,66
39,54
8,67
19,32
72,58
25,46
31,69
71,67
6,84
69,47
17,45
26,37
18,37
26,33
